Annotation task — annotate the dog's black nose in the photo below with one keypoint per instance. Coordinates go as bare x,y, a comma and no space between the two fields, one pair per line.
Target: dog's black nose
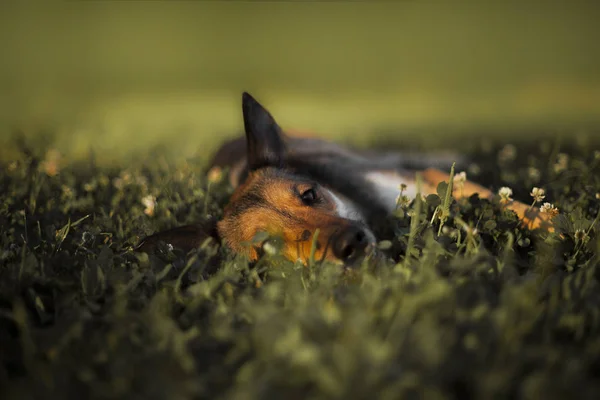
350,243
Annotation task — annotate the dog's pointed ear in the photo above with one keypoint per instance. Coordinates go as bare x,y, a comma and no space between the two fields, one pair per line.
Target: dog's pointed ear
265,139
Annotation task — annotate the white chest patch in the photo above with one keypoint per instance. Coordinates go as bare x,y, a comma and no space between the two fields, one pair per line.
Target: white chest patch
387,186
345,208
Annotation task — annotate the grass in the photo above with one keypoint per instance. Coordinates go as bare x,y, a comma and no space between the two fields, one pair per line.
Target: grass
455,313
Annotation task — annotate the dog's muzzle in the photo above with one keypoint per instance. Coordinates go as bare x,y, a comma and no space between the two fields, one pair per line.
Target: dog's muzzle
353,243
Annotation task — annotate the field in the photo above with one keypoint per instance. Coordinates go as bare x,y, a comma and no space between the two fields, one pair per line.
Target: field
492,312
109,112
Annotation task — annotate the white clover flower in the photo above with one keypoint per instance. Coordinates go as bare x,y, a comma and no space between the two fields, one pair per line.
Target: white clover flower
270,248
538,194
581,236
460,178
118,183
141,181
90,186
122,180
469,230
474,169
215,175
561,163
67,192
548,208
508,153
505,193
149,202
51,164
534,174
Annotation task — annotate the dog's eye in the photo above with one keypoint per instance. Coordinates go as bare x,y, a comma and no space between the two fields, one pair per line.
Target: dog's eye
309,197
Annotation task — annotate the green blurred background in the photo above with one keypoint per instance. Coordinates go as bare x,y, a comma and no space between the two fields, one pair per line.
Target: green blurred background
124,77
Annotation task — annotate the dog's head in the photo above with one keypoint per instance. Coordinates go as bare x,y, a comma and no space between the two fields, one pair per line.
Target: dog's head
286,205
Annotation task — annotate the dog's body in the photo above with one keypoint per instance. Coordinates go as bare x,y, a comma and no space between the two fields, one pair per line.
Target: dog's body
293,186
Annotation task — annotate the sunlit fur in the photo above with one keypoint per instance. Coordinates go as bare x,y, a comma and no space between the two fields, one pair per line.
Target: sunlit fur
269,201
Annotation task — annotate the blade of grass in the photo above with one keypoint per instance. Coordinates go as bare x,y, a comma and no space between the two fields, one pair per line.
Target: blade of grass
414,220
445,212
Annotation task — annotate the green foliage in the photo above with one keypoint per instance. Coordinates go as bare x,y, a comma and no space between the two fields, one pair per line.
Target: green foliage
472,307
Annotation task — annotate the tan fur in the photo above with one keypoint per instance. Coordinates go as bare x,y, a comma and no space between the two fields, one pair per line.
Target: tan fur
277,191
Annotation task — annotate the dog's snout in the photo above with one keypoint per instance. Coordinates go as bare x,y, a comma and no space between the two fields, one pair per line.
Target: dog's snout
350,243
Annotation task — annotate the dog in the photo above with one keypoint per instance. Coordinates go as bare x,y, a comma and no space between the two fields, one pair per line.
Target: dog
321,199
